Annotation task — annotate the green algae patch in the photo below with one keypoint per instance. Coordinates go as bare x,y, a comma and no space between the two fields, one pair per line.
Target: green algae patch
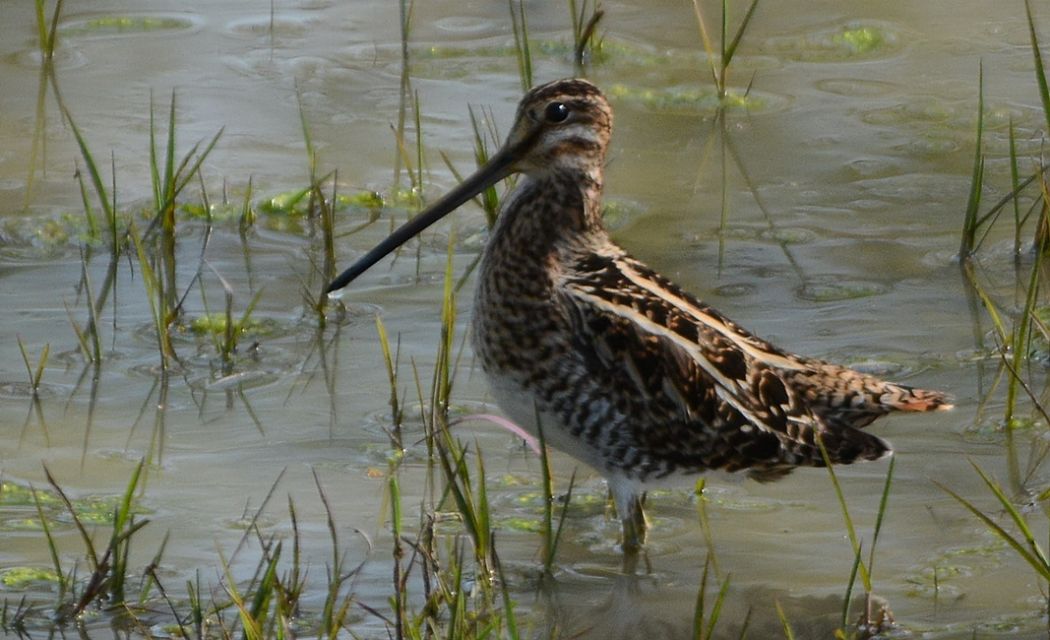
605,52
936,578
851,41
22,578
692,100
116,25
297,202
17,500
15,495
216,213
285,212
526,525
35,236
832,291
789,235
215,324
860,40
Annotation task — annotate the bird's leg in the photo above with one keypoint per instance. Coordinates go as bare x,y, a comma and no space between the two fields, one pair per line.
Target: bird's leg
634,523
629,499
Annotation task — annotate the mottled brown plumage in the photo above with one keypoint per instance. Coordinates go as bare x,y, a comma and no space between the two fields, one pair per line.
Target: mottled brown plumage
620,367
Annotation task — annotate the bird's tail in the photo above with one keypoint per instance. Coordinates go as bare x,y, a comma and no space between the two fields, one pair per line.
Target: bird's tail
902,398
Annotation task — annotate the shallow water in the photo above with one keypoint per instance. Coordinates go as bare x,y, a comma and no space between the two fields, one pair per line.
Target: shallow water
844,184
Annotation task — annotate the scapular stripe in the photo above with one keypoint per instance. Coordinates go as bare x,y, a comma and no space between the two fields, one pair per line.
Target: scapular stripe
747,344
724,386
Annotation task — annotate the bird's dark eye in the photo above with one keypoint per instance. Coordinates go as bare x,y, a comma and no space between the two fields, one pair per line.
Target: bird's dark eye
556,112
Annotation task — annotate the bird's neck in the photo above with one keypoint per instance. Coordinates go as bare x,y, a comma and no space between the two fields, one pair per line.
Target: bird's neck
543,223
552,209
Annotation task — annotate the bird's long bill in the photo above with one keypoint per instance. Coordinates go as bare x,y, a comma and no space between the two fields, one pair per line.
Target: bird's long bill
498,167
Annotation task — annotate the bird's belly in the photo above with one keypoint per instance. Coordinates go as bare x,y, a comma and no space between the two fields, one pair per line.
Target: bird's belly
521,406
525,408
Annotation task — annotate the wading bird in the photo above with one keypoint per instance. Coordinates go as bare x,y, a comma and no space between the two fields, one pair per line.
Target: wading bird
620,367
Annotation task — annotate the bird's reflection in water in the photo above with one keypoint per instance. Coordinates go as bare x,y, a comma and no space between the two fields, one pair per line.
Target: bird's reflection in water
650,604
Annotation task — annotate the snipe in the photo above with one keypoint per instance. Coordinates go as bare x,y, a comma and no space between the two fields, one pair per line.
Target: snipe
623,369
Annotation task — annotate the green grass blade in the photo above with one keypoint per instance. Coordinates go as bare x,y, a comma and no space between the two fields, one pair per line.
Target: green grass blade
52,547
699,607
52,36
789,633
1037,56
987,302
850,529
252,627
847,598
154,165
89,211
41,27
390,361
880,516
508,605
730,51
1015,181
168,185
417,117
89,160
38,373
708,48
705,522
563,514
716,608
520,26
84,536
547,489
188,170
484,526
973,204
80,333
311,153
153,292
265,591
123,527
1021,342
723,29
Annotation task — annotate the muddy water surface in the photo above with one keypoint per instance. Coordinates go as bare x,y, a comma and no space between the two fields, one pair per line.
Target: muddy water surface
824,215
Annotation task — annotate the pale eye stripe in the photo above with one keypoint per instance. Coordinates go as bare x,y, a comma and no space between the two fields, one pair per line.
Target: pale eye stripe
723,384
694,312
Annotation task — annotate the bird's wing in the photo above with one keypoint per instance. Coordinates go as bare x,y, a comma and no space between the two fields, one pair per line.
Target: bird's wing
694,373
